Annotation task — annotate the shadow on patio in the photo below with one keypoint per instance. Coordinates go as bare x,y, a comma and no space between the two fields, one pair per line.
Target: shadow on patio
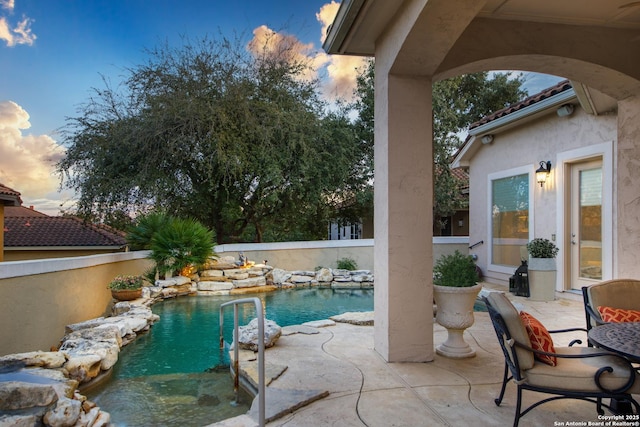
365,390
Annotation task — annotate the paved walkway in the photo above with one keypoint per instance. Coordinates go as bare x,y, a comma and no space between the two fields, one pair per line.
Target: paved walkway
364,390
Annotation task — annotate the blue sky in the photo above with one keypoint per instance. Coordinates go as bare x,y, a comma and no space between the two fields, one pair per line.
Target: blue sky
52,52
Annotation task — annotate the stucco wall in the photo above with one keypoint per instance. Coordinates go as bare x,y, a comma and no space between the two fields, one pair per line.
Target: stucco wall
325,253
527,145
39,298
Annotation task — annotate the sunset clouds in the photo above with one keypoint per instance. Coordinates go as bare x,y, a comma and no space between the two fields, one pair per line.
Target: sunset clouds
27,160
338,72
14,32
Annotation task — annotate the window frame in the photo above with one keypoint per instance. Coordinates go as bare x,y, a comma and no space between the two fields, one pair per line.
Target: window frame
521,170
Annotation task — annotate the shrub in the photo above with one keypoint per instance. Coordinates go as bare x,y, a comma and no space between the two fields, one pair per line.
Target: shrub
456,270
125,282
347,264
542,248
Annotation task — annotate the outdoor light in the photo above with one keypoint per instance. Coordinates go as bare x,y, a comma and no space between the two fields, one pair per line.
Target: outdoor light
543,172
487,139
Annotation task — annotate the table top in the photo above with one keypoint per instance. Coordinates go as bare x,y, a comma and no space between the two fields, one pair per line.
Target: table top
622,338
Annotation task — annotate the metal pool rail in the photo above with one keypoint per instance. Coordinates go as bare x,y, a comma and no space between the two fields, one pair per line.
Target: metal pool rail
236,362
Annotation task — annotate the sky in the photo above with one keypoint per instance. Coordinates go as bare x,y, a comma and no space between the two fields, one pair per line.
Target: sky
53,52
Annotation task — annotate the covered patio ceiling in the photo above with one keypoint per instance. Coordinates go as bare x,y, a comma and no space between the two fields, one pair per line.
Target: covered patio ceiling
448,38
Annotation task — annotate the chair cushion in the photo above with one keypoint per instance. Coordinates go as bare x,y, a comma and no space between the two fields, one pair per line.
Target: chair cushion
502,305
539,337
618,315
578,374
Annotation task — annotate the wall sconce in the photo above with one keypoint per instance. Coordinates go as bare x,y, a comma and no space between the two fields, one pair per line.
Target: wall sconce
487,139
543,172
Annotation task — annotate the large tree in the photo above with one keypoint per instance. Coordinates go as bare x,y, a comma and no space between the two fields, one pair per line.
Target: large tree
457,102
237,138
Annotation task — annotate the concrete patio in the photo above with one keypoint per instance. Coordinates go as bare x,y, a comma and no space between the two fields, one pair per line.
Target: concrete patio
364,390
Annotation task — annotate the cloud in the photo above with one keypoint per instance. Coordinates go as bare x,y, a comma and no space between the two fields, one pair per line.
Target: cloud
15,34
8,4
337,73
342,70
27,162
269,44
326,16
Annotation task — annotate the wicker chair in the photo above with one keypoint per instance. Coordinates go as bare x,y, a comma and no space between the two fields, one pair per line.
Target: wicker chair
582,373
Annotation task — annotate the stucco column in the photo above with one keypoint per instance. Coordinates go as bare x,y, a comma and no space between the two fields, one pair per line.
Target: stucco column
627,184
403,248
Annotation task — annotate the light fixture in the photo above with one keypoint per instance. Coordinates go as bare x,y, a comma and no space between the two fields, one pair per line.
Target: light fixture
565,110
543,172
487,139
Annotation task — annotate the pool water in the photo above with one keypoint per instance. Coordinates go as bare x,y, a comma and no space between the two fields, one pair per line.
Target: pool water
175,374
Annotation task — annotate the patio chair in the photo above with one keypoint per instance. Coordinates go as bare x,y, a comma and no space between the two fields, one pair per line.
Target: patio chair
621,297
582,373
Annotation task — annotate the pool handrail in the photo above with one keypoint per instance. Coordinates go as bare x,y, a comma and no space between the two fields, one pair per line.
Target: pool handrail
236,362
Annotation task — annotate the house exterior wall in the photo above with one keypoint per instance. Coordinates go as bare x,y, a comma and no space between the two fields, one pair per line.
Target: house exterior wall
528,144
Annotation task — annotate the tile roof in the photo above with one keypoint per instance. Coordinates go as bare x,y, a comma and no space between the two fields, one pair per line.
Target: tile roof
547,93
10,195
41,231
10,211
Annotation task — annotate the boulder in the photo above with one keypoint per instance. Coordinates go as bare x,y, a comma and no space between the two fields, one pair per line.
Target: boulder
212,273
83,368
214,286
248,334
324,275
64,414
250,282
45,359
280,276
297,279
16,395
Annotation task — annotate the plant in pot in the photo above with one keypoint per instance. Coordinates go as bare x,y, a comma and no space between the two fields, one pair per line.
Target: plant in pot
455,290
542,269
126,287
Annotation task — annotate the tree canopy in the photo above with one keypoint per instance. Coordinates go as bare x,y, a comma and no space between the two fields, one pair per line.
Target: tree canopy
457,103
238,139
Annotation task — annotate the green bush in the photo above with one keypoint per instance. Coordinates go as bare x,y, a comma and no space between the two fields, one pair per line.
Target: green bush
139,235
125,282
542,248
347,264
182,242
456,270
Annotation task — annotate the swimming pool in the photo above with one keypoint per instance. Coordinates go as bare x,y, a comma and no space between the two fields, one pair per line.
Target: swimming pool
169,376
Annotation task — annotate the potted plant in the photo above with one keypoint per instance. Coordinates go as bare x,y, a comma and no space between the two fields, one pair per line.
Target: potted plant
542,269
126,287
455,290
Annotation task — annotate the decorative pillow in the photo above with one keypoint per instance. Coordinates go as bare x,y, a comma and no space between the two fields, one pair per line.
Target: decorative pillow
618,315
540,338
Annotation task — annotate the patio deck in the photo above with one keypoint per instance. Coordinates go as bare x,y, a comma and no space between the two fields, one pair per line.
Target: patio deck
367,391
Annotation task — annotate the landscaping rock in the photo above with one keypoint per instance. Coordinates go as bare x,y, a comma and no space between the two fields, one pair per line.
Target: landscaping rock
248,334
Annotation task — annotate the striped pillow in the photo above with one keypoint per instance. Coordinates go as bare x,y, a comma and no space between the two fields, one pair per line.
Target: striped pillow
540,338
618,315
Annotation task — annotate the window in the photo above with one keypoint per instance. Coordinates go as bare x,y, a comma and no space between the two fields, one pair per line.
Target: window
510,218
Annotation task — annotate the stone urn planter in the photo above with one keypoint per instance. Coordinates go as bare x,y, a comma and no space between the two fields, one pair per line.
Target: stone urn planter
455,291
542,269
455,313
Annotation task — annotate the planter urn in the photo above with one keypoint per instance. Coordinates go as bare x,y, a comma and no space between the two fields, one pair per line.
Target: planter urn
455,313
542,279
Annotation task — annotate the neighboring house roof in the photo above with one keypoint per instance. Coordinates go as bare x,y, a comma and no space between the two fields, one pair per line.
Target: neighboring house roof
562,86
11,211
9,196
56,231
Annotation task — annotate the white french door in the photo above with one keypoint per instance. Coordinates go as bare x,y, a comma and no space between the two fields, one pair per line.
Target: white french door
586,231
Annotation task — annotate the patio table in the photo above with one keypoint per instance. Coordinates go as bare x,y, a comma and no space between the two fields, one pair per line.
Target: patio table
621,338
